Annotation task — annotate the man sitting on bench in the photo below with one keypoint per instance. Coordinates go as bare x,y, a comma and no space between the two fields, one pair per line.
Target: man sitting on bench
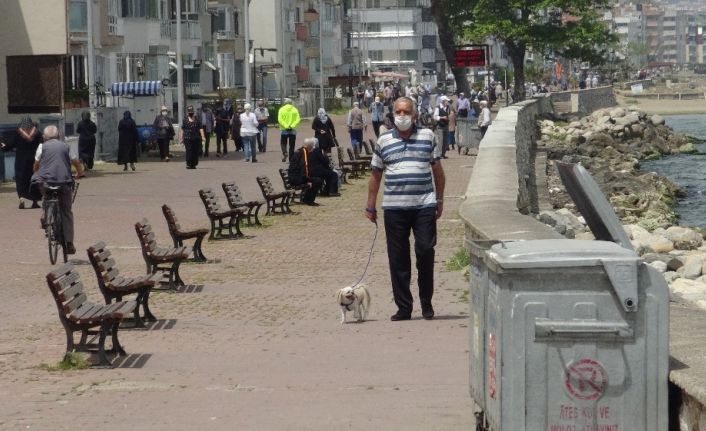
310,166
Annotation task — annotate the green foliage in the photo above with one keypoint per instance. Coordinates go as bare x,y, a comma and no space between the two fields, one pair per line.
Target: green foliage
459,260
76,96
71,361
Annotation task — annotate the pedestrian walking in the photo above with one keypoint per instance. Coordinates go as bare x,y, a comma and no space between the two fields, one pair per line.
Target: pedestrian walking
263,116
409,160
484,119
207,123
235,128
191,135
25,144
248,131
86,140
128,139
441,117
222,128
357,123
288,119
463,104
324,131
164,129
377,115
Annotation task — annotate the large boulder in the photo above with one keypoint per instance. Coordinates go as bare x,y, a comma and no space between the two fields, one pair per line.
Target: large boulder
657,120
692,266
617,112
683,238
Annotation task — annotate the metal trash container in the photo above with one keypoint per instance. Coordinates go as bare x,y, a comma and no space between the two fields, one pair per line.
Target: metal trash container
477,293
467,133
575,333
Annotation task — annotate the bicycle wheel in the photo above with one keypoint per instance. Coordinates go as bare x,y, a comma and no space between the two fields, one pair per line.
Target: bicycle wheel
52,237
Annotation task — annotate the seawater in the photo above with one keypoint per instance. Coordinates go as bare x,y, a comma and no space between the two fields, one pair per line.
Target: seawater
686,170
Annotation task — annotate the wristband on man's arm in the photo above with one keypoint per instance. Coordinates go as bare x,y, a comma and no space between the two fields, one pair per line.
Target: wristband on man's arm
371,210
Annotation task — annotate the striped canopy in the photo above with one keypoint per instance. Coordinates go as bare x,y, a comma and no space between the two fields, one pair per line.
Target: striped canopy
137,88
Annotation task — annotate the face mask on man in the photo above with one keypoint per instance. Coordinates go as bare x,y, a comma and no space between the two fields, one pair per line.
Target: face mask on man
164,112
403,122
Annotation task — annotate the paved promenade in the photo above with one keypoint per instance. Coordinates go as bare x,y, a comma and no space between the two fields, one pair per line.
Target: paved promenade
255,342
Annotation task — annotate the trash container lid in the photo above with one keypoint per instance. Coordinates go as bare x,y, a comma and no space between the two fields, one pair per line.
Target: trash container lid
620,264
593,205
553,253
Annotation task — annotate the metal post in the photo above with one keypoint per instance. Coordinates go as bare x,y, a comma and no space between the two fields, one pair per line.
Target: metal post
248,83
321,55
91,58
180,67
254,73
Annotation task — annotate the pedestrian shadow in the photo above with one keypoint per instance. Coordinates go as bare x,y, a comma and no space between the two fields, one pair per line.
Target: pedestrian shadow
133,360
448,317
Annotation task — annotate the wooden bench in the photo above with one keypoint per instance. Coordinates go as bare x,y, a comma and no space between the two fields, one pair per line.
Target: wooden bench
368,146
164,259
352,157
179,235
113,286
77,314
298,191
356,167
234,197
223,220
277,202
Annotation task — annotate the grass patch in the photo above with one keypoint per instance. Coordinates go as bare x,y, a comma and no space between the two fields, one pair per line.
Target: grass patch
338,111
265,222
463,297
458,261
71,361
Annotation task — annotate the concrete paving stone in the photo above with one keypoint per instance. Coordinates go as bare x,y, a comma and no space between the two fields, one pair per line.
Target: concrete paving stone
259,346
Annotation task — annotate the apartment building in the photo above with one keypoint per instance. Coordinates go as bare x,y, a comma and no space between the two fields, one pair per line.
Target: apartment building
135,40
33,43
391,35
292,40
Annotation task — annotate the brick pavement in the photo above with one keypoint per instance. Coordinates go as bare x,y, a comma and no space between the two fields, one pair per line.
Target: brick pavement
259,346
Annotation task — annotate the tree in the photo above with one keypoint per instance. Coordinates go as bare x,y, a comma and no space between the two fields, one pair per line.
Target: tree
566,28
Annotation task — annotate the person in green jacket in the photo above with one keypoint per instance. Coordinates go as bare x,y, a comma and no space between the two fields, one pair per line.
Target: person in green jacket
288,119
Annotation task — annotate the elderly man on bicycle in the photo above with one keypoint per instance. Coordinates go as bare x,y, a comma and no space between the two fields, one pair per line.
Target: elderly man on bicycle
52,167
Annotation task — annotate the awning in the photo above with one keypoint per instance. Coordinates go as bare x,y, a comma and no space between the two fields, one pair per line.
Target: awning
136,88
390,75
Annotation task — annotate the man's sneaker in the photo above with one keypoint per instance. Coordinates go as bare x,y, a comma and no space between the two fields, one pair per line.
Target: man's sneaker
428,312
70,249
399,316
284,157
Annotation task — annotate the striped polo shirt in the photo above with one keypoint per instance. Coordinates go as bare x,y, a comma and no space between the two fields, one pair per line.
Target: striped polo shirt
406,164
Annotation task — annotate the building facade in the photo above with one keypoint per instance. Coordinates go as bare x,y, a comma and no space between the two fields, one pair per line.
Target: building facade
296,44
32,47
391,35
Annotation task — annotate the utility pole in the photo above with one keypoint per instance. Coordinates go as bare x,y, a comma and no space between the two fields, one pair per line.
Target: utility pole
321,55
248,81
180,67
91,58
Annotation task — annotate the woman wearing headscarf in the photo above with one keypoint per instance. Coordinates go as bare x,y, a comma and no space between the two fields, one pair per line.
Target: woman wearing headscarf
25,143
324,131
86,139
128,139
191,135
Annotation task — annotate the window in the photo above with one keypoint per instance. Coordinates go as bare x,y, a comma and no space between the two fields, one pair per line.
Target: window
113,14
408,3
409,54
226,69
373,27
140,8
375,54
372,4
23,93
239,73
78,15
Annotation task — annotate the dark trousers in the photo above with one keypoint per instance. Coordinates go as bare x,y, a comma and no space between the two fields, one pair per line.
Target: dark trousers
329,178
222,138
163,145
398,224
192,152
483,129
311,192
206,143
291,138
376,128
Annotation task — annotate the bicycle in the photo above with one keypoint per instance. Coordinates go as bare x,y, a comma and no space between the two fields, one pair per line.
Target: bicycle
53,228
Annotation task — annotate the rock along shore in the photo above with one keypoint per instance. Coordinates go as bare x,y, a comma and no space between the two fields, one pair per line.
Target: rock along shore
610,143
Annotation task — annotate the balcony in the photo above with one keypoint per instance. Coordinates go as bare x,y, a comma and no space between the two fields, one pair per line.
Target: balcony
302,73
191,88
312,52
225,35
301,31
189,30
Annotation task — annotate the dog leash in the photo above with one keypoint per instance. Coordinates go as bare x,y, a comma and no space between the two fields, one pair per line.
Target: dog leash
370,256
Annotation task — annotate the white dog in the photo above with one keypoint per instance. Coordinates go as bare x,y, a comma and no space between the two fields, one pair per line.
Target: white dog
354,299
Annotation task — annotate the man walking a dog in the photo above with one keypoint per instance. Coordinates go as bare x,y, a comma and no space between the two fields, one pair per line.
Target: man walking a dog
409,159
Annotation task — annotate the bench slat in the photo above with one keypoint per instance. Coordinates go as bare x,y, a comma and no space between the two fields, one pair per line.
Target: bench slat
71,291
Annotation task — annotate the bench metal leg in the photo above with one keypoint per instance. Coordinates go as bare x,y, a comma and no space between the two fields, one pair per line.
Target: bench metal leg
174,274
257,218
198,253
102,358
213,230
136,312
117,347
146,306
